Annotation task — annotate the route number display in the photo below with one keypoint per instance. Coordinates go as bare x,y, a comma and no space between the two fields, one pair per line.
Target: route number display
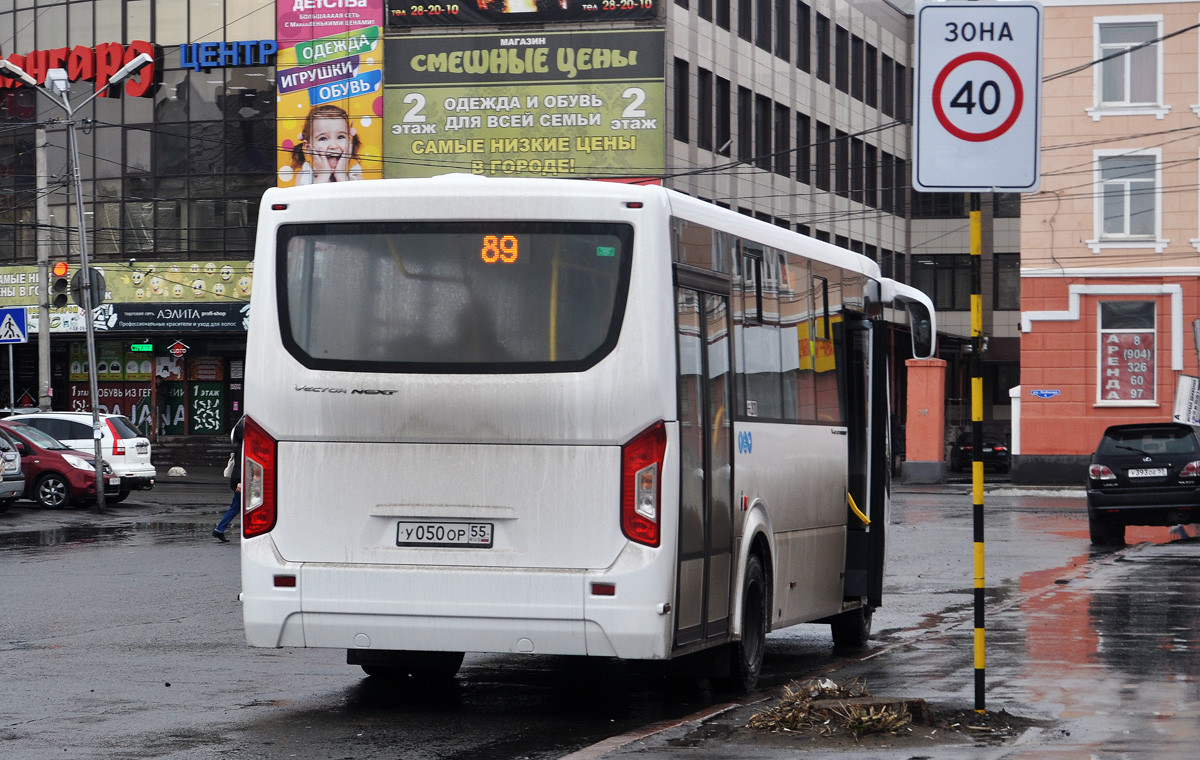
977,104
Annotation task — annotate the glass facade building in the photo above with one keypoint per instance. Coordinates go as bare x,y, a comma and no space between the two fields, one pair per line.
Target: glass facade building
170,182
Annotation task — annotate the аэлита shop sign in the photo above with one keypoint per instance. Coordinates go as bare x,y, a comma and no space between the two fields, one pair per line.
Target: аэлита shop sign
164,295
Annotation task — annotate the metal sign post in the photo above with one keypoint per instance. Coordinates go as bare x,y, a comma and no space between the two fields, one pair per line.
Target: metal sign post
12,331
976,129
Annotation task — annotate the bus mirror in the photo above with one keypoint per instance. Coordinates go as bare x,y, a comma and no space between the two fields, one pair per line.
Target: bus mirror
921,324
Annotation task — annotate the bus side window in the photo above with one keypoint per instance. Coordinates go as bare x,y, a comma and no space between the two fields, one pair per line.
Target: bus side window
826,293
760,368
799,401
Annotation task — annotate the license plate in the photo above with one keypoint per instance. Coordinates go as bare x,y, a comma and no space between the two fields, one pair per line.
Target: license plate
1148,472
462,534
143,448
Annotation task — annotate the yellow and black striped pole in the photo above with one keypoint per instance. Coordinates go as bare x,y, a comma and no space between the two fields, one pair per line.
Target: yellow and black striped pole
977,438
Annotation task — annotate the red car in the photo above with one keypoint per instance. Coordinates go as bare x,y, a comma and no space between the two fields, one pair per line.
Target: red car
56,474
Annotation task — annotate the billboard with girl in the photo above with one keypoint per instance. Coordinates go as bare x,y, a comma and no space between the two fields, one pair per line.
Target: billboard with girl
330,84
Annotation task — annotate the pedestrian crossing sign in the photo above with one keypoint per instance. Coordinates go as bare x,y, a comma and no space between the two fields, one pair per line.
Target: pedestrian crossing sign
12,325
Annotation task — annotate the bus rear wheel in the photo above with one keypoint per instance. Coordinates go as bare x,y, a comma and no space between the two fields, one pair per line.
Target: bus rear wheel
746,654
425,666
852,629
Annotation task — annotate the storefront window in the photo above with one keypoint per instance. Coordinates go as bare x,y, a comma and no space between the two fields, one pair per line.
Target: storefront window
1126,366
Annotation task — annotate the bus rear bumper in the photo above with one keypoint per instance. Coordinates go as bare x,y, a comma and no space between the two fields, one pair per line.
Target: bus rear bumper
454,609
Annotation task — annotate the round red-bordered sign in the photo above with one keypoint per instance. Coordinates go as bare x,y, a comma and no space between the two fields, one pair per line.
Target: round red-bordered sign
991,134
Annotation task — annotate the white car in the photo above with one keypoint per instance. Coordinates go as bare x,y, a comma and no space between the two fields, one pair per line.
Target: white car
125,449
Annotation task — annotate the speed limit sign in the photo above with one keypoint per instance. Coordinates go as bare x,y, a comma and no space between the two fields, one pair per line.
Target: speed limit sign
977,115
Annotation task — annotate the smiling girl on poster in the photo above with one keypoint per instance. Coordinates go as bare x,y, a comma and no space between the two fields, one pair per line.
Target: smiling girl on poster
328,148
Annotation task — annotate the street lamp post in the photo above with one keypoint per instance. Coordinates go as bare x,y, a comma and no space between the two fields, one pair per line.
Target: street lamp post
58,88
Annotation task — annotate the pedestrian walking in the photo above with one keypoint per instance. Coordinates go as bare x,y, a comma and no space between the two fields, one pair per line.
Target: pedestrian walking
234,471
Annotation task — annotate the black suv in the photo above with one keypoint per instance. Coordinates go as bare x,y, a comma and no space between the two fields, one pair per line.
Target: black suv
1143,474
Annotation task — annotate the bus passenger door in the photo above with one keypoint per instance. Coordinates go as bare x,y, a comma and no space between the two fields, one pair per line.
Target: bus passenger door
706,485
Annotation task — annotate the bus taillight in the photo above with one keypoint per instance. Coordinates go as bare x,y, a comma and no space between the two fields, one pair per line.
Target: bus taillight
258,481
641,473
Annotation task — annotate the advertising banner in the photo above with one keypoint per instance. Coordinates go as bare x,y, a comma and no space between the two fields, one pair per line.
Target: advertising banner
583,104
164,295
423,13
329,75
1127,366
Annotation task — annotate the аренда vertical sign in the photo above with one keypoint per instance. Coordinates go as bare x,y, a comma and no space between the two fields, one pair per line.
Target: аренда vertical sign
977,104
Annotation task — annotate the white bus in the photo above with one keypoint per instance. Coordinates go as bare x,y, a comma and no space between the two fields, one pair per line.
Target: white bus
559,417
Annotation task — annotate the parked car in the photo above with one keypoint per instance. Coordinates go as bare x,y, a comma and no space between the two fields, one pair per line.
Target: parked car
121,445
55,473
995,452
1143,474
12,485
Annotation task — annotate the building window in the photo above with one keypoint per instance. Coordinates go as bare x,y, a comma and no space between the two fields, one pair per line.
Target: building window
1006,285
803,37
783,29
887,181
1129,76
901,92
762,34
871,177
856,67
857,167
871,77
682,96
887,83
803,149
723,109
783,136
723,14
746,19
1006,206
704,109
823,162
945,278
1125,367
841,164
745,125
704,9
762,133
938,205
823,48
841,72
1127,208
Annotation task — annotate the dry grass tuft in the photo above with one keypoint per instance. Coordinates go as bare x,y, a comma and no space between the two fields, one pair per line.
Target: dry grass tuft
817,707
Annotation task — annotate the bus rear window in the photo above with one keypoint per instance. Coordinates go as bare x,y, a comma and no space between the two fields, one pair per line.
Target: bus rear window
452,297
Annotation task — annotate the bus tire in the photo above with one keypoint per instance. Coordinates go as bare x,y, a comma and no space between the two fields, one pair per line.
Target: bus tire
397,664
852,629
435,666
746,654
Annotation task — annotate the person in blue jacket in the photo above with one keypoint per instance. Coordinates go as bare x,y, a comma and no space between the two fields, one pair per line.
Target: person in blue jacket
235,483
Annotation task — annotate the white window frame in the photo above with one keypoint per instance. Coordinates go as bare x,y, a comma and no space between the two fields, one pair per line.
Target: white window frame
1099,241
1196,110
1100,361
1196,240
1099,109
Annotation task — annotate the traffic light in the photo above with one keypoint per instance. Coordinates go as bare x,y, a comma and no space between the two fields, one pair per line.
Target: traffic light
60,285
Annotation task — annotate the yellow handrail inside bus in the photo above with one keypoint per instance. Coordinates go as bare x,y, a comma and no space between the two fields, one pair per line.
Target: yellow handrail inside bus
854,507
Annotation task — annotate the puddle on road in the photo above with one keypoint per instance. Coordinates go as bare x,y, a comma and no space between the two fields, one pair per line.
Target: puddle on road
95,535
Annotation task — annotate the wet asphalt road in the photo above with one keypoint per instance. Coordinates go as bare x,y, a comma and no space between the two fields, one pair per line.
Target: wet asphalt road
120,636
